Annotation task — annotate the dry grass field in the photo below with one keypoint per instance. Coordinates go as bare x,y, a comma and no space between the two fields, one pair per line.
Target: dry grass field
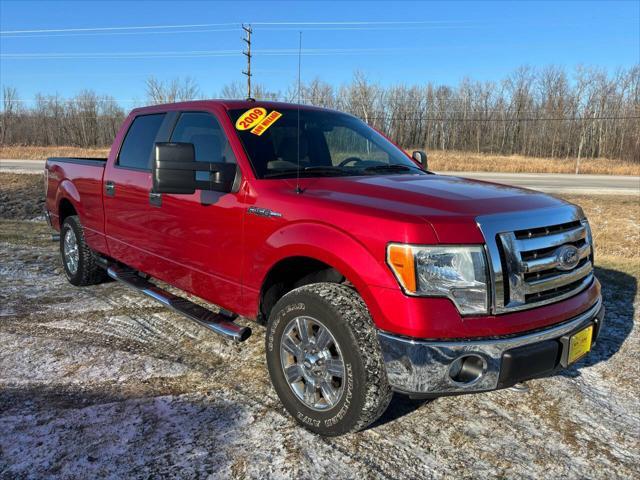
22,152
439,161
615,223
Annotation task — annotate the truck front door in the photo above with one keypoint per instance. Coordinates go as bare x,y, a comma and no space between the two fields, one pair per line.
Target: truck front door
199,236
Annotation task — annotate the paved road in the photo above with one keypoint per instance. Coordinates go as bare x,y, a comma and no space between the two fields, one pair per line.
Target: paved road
546,182
561,182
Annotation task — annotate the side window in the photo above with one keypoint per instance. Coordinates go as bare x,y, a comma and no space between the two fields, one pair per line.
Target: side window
209,141
138,144
204,131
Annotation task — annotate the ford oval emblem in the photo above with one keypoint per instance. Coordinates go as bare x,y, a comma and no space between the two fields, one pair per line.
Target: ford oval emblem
567,257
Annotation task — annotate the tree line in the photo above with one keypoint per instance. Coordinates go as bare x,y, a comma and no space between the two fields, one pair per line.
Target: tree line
86,120
538,112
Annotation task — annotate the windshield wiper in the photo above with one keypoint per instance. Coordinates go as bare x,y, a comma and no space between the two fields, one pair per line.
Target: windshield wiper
393,167
325,169
319,170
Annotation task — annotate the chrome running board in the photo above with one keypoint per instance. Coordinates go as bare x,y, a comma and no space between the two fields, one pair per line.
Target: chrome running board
221,323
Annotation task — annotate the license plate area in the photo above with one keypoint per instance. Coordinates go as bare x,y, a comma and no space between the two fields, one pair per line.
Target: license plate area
576,345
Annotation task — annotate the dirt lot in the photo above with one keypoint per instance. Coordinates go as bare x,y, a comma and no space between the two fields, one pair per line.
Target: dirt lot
439,161
100,381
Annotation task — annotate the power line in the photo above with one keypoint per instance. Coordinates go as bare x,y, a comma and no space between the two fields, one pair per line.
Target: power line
202,53
365,22
222,30
117,117
514,119
92,34
99,54
107,29
228,24
101,103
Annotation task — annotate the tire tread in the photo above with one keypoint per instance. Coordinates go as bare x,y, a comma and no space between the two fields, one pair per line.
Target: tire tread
89,272
350,307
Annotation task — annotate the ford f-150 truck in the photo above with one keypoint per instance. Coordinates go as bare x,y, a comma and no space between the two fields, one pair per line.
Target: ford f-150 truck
371,273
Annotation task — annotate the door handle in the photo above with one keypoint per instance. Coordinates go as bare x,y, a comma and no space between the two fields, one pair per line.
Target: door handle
155,199
110,188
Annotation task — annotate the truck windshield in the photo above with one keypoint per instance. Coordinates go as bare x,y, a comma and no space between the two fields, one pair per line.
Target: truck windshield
329,144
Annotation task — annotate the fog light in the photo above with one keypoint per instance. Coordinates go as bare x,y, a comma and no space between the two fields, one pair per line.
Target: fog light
467,369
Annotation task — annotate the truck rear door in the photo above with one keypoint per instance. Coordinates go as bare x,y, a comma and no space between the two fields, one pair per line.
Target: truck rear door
127,184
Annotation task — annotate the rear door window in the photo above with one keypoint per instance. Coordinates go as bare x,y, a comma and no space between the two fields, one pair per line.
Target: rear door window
209,141
137,147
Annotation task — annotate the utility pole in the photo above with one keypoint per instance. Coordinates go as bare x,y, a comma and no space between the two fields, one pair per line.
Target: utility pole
248,31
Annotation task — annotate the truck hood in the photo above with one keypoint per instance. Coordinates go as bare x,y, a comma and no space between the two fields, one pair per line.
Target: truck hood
443,201
430,194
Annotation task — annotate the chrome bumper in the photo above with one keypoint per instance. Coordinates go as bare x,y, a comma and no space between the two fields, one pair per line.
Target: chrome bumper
423,367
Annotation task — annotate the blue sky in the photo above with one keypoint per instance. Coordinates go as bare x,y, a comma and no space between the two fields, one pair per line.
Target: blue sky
448,41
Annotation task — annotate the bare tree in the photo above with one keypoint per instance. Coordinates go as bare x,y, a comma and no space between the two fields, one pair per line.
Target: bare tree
236,91
176,90
233,90
10,106
531,112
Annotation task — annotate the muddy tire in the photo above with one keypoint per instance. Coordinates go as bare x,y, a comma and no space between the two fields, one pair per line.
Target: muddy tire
324,359
78,260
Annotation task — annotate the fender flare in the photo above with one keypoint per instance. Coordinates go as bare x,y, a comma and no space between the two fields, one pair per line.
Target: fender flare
329,245
67,191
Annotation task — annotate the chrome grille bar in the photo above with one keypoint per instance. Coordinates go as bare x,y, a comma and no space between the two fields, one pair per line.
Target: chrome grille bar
559,280
549,262
523,250
552,240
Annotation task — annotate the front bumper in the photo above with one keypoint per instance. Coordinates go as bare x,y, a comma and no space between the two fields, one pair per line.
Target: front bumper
428,368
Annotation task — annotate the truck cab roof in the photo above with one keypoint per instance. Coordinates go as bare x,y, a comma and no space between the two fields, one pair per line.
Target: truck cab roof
227,104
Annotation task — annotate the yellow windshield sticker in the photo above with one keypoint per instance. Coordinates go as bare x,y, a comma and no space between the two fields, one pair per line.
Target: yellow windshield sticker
250,118
266,123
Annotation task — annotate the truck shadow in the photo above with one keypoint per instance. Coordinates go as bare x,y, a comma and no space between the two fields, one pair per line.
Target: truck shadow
58,431
619,290
400,406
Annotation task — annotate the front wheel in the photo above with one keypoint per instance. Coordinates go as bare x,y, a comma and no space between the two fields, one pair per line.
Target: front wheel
324,359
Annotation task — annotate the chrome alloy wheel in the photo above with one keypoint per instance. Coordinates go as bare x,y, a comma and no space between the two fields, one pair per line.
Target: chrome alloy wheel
70,251
312,363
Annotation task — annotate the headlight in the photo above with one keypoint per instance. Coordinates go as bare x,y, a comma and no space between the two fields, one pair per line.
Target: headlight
455,272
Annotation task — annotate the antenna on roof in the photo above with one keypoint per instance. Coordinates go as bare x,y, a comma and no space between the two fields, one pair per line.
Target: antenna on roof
298,189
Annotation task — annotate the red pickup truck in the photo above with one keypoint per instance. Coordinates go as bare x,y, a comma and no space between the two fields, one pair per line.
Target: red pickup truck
371,273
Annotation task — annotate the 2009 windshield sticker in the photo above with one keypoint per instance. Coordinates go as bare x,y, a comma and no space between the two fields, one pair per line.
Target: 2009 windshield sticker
250,118
257,120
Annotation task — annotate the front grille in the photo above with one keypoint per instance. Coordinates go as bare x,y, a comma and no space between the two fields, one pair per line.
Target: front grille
544,264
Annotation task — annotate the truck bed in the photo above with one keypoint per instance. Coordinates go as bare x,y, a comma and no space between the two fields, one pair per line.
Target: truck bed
79,181
79,160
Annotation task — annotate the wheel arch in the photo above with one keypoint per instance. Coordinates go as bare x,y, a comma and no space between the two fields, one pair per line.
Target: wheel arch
290,273
338,257
67,201
65,209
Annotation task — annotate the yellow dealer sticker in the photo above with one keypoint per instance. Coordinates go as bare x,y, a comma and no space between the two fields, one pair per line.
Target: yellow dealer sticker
266,123
250,118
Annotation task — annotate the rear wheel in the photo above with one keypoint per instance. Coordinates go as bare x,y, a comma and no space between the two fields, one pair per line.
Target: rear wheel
324,359
79,261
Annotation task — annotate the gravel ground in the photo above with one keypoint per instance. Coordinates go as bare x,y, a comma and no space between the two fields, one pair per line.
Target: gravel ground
101,382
